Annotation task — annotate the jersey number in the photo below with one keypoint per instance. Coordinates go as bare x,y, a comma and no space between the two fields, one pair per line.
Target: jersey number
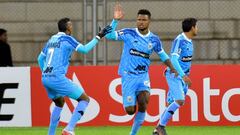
50,52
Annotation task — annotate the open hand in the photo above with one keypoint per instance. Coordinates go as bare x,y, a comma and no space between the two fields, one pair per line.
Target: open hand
174,71
187,80
118,12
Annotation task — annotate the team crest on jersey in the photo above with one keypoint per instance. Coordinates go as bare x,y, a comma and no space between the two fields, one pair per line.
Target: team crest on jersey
129,99
150,46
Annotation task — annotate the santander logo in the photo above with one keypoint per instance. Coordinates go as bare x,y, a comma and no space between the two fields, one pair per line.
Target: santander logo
91,111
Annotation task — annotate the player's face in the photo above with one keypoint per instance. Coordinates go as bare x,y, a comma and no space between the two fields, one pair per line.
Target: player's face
69,27
195,30
143,22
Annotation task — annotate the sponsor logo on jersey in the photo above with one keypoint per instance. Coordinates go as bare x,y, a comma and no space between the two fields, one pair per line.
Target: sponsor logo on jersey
187,58
138,53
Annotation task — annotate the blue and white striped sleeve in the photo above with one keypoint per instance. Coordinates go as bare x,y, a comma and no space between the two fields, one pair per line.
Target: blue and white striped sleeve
176,48
175,54
44,50
72,41
88,47
160,51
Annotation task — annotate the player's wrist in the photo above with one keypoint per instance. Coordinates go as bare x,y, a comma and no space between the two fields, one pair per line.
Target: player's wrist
183,75
115,20
98,37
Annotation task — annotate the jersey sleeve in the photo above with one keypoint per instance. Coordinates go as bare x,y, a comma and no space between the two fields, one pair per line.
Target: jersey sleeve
44,50
86,48
122,34
158,47
72,42
176,50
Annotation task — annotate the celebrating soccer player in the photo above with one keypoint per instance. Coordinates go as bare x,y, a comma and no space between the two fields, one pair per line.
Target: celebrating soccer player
139,43
181,57
54,61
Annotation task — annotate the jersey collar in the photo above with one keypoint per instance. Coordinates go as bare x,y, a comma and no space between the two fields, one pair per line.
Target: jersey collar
142,34
61,33
186,37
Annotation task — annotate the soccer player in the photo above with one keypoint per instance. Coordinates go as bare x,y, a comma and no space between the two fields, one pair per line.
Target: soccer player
139,43
54,61
181,57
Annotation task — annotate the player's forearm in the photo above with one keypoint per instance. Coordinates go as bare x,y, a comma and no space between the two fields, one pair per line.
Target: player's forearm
114,24
163,56
113,34
169,64
41,60
88,47
176,65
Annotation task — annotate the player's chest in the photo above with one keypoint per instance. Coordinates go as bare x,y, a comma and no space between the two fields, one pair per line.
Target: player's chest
187,49
143,45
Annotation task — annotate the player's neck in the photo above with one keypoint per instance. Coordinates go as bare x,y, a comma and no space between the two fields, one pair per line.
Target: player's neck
143,32
189,35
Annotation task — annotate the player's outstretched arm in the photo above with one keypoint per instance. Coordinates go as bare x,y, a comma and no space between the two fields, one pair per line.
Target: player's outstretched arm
41,60
89,46
118,15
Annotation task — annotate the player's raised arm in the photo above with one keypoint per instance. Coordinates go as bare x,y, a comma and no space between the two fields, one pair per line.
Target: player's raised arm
89,46
117,15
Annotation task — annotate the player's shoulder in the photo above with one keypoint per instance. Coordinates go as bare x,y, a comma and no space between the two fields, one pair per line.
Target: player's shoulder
67,38
179,37
127,30
154,37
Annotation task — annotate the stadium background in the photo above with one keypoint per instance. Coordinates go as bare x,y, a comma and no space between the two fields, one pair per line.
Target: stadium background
31,22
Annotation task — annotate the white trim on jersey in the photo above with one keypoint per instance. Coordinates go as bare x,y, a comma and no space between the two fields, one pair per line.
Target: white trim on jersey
142,34
175,54
116,34
61,33
79,45
186,37
43,54
161,51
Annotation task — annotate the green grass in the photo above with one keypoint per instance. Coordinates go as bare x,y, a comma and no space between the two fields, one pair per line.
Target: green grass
145,130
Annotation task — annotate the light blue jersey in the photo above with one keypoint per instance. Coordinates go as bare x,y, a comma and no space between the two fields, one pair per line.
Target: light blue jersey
182,47
181,57
58,51
135,60
54,61
137,49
